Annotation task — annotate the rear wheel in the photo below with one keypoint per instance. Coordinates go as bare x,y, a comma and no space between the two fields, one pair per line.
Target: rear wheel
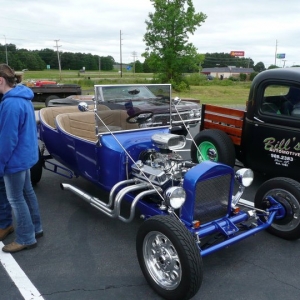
50,98
169,258
214,145
287,192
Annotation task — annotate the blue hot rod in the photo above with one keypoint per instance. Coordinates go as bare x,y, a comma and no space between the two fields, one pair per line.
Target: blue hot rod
190,210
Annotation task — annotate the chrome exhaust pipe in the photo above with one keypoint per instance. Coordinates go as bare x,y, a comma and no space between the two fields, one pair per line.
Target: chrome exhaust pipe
114,212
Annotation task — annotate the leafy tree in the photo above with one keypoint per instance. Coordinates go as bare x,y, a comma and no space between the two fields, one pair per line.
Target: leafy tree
138,66
107,63
273,67
168,51
259,67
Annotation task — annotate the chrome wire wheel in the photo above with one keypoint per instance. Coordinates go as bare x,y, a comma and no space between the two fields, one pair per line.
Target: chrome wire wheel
162,260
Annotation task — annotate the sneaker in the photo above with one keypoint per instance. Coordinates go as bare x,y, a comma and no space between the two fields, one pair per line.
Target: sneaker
15,247
5,232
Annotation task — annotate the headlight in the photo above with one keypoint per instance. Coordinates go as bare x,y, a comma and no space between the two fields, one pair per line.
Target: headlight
191,114
244,176
197,113
175,197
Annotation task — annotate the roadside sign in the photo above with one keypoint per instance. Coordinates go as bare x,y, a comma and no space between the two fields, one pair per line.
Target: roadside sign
280,55
237,53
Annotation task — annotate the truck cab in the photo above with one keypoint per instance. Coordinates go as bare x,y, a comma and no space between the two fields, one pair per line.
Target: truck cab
271,133
265,136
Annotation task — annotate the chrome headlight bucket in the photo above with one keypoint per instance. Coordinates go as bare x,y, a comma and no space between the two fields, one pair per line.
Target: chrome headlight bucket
175,197
244,176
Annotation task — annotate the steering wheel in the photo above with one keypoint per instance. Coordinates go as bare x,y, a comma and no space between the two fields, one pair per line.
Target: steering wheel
139,117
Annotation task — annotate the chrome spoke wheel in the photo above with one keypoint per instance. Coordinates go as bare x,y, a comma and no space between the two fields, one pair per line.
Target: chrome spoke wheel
162,261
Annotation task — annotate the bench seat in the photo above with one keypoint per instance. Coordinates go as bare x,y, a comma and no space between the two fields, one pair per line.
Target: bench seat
82,124
48,114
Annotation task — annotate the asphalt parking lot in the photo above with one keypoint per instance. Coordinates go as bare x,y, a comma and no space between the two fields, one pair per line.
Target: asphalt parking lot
86,255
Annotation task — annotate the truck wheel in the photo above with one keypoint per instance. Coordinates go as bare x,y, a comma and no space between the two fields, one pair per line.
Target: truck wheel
287,192
37,170
169,258
214,145
50,98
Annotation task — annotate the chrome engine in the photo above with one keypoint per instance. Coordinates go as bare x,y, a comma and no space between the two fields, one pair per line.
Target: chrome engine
165,166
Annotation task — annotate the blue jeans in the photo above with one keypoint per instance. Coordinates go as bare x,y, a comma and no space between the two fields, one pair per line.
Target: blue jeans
23,201
5,209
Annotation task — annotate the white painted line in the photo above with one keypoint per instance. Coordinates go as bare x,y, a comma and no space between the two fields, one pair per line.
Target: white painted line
22,282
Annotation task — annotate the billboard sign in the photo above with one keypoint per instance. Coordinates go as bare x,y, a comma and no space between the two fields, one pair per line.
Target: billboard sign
237,53
280,55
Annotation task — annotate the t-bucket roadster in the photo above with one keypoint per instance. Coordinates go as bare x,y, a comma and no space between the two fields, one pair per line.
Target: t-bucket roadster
189,210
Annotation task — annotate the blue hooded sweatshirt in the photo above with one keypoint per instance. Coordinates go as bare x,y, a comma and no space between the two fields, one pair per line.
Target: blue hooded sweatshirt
18,131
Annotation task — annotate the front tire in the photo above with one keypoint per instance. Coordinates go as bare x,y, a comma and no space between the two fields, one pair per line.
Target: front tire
214,145
287,192
37,170
169,258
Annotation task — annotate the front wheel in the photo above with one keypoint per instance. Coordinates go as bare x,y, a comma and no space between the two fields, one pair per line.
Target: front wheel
214,145
287,192
169,258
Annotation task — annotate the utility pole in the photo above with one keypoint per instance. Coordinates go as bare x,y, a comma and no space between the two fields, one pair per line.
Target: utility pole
134,55
6,50
121,53
275,52
99,64
59,66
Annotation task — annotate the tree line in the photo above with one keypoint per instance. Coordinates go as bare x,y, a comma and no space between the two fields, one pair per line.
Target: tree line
37,60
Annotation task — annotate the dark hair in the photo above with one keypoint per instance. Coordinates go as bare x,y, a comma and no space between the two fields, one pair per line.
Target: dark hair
8,74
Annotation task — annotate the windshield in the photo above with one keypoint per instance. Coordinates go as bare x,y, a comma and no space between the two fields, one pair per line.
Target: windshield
117,93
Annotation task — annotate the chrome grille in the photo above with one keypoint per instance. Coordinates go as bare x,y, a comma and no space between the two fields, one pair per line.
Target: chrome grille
211,198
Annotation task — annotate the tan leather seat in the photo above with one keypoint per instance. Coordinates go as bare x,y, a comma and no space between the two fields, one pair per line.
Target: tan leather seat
48,114
82,124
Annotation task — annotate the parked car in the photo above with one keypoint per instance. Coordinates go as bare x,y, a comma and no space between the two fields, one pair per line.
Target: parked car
137,98
190,210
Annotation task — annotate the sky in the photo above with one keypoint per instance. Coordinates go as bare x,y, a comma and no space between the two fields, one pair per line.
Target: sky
116,27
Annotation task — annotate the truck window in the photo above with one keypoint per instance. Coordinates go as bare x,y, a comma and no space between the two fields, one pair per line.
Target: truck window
281,100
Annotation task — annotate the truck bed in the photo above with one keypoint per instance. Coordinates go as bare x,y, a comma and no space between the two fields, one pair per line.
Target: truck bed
229,120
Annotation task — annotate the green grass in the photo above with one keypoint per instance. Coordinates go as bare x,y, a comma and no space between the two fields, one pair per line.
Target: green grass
213,92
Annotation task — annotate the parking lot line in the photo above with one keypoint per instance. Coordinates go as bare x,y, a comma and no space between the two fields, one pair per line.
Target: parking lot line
22,282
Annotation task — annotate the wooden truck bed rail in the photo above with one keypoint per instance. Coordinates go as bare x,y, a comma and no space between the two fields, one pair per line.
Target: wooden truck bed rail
229,120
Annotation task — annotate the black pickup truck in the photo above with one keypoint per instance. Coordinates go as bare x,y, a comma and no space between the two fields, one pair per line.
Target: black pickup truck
265,136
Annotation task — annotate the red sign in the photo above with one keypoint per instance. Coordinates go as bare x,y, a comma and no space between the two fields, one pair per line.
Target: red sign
237,53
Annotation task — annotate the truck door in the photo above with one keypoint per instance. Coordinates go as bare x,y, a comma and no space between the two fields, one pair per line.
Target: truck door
272,133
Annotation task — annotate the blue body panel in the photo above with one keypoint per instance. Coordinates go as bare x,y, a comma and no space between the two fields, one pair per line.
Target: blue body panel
104,162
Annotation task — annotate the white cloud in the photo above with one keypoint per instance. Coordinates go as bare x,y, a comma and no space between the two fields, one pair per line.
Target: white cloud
91,26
